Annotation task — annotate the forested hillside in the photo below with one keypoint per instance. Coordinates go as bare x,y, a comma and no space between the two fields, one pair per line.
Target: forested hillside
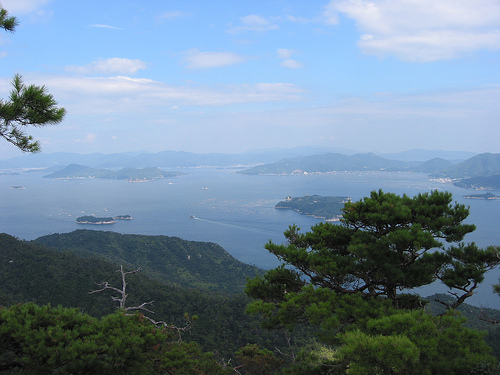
203,265
31,272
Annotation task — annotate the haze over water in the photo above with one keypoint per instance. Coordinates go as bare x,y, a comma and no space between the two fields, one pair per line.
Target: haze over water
233,210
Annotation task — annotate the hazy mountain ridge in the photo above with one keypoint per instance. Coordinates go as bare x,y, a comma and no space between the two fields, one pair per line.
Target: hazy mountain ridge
433,165
181,159
330,162
423,155
481,172
482,165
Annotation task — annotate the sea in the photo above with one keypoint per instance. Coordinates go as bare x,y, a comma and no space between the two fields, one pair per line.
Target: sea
218,205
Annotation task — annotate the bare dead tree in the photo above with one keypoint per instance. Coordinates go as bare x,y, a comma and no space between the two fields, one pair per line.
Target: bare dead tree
122,293
291,351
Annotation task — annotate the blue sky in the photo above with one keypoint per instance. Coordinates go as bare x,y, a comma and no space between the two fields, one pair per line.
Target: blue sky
232,76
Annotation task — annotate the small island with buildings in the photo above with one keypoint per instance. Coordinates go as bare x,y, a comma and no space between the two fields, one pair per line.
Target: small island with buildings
123,217
88,219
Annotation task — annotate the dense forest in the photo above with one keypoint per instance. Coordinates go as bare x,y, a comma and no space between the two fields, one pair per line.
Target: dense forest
32,272
175,261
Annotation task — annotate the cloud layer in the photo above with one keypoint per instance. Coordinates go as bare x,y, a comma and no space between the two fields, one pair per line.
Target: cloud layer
423,30
112,66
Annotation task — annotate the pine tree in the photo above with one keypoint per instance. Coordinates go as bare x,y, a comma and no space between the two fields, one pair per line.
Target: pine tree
27,105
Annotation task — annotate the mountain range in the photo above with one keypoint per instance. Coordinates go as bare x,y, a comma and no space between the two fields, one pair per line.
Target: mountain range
181,159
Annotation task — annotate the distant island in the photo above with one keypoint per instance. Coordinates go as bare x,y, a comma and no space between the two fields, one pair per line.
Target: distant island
76,171
320,207
95,220
481,196
123,217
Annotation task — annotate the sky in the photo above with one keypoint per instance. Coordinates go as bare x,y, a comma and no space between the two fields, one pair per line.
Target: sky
233,76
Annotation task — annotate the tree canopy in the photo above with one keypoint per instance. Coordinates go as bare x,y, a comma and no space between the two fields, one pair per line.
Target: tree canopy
343,277
7,23
48,340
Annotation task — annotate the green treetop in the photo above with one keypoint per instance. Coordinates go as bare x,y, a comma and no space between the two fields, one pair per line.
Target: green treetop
57,340
341,278
7,23
385,244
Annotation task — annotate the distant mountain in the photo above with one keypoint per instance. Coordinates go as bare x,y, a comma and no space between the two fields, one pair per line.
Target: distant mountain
329,163
423,155
432,166
80,171
163,159
482,165
282,153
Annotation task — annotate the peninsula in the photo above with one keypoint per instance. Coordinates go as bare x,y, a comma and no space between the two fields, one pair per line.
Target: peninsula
328,208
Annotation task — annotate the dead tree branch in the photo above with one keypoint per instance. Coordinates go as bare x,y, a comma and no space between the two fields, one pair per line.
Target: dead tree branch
142,307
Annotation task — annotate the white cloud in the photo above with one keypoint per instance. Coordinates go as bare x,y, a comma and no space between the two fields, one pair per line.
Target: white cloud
101,26
82,95
421,30
286,54
201,60
110,66
291,64
253,23
167,16
299,20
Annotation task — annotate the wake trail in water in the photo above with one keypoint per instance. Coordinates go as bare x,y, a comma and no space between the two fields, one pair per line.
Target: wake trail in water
241,227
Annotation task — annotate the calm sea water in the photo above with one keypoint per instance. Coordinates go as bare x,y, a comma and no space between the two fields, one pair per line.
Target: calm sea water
235,211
